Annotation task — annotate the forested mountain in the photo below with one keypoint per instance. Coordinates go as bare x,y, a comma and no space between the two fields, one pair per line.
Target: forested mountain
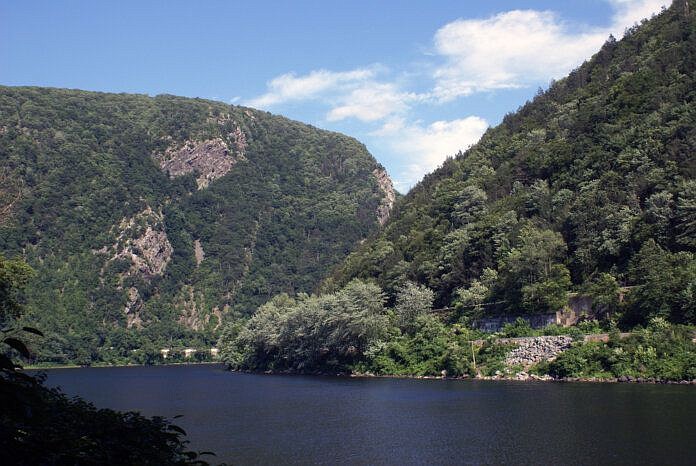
588,187
149,221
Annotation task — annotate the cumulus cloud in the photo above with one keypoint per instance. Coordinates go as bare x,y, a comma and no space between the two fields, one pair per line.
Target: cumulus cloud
290,87
508,50
373,101
425,147
628,12
358,93
520,47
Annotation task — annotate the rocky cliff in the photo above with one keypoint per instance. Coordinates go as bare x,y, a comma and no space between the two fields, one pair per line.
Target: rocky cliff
387,187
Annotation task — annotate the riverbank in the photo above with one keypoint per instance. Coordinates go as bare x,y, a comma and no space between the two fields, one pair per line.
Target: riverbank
521,376
517,377
526,377
40,367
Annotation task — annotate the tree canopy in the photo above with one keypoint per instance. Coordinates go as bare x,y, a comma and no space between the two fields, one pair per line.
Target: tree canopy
580,183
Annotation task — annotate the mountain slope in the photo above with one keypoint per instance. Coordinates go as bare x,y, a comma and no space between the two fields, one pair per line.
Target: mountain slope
150,219
580,189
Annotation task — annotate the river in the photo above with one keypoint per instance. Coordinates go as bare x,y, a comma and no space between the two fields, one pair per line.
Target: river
264,419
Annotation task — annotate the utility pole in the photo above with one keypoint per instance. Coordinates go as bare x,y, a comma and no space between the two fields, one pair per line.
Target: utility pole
473,355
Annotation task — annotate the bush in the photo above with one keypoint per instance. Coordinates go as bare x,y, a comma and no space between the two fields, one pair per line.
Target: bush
661,351
491,358
583,360
39,425
519,328
310,333
428,349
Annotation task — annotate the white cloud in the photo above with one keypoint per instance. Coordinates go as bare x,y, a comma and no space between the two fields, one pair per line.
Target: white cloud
372,101
520,47
517,48
355,94
424,147
509,50
628,12
289,87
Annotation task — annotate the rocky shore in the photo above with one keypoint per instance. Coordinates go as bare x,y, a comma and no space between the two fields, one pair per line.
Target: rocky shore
533,350
527,377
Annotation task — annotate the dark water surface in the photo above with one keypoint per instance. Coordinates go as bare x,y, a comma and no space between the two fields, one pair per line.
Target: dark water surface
261,419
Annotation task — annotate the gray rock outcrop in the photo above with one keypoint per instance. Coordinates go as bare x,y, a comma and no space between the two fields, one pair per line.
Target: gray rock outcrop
142,243
387,187
210,160
532,350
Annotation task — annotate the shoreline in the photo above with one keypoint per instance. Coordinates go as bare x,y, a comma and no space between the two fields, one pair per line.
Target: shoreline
75,366
519,377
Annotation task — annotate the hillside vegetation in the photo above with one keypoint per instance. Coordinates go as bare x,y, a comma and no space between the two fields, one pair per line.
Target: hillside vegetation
150,221
589,185
589,188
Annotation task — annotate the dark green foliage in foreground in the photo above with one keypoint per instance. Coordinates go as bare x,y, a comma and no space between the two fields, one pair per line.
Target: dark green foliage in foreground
296,203
39,425
660,351
591,183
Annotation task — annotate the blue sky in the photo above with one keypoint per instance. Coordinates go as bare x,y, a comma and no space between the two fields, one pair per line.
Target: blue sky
414,81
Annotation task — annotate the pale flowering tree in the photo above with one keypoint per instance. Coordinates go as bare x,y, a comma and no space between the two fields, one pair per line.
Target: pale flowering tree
412,301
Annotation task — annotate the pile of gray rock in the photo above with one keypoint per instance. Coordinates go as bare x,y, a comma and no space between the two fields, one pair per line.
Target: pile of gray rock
532,350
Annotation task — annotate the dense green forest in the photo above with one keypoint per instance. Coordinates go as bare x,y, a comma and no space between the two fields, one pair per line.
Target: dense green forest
590,189
592,182
150,221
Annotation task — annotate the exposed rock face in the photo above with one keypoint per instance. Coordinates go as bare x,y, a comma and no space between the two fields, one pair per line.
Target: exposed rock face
192,307
132,309
209,159
218,313
142,242
198,252
240,141
532,350
385,184
189,306
156,251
